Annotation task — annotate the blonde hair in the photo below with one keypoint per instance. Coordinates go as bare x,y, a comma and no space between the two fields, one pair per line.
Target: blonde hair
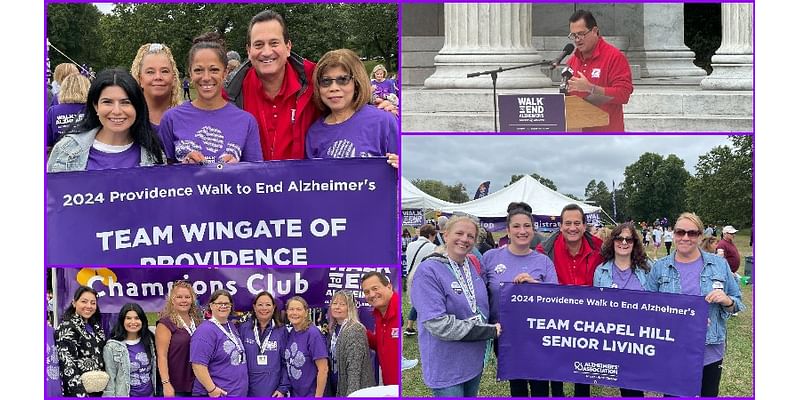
306,322
157,48
74,89
442,249
693,218
169,308
377,68
352,309
64,70
709,244
347,60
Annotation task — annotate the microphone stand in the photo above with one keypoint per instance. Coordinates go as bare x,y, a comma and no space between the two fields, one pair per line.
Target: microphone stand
493,73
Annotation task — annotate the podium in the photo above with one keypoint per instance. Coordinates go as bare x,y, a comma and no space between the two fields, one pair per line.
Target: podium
582,114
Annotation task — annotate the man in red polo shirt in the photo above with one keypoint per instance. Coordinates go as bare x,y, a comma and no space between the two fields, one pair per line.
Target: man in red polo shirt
386,338
576,254
601,73
729,250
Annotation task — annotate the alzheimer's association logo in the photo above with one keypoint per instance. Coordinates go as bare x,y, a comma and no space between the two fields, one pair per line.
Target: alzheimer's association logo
596,371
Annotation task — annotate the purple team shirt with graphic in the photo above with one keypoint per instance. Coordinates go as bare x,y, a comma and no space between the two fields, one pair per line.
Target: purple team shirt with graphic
141,384
226,365
370,132
500,265
302,349
59,117
214,133
436,293
128,158
265,379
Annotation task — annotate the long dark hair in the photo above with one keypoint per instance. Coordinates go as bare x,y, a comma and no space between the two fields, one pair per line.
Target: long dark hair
141,130
276,320
638,256
95,318
120,334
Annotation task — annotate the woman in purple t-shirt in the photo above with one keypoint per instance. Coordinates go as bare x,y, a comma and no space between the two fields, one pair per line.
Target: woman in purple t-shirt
71,102
208,129
114,132
349,126
130,355
177,322
306,355
383,87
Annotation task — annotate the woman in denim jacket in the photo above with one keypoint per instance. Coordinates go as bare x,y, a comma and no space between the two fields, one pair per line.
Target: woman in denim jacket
625,267
130,356
114,132
692,271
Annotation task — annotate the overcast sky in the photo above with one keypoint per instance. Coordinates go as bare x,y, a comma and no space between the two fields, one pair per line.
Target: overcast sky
569,161
105,8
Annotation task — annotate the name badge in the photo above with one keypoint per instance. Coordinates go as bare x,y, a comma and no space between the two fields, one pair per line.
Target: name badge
717,285
456,287
261,359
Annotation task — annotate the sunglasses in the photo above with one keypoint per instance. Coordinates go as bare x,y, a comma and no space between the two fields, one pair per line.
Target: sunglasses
624,239
692,233
340,80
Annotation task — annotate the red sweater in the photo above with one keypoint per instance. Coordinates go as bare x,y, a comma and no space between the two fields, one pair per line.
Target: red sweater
608,68
386,341
578,269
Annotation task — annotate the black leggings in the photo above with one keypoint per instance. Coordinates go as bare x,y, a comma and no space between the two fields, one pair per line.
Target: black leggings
519,388
712,374
668,245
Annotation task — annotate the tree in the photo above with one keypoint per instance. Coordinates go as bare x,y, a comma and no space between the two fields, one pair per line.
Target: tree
599,194
453,193
721,191
534,175
70,27
655,187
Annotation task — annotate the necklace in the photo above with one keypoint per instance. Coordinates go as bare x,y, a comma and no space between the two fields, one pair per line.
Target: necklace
465,280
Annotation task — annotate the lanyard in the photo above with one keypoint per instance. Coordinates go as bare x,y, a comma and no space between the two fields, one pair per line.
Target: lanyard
465,280
190,328
229,334
261,346
334,340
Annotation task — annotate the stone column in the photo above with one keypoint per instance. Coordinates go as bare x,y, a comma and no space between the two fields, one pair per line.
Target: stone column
733,62
656,43
480,37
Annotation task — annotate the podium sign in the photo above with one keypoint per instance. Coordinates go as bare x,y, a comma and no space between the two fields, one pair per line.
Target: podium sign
532,112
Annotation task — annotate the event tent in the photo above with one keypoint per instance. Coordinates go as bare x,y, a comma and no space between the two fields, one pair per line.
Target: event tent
414,198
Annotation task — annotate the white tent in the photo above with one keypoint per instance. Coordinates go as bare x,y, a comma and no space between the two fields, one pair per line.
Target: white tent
414,198
543,200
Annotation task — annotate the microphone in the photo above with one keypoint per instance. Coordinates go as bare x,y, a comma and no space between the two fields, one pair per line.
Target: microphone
568,49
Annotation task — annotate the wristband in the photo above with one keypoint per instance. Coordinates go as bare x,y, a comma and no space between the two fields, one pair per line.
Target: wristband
164,382
212,390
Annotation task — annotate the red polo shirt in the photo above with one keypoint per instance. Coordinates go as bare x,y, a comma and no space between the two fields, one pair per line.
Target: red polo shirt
386,340
731,254
608,68
577,269
276,116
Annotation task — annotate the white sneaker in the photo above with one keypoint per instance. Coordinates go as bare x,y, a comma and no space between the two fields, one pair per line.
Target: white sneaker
408,364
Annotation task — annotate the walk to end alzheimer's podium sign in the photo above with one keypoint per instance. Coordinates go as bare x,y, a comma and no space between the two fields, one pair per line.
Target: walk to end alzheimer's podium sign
611,337
532,112
269,213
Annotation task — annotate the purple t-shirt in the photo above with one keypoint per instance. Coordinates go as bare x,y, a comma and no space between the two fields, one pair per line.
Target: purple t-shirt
264,379
141,367
436,293
59,117
214,133
383,89
129,158
370,132
625,279
690,284
225,359
500,265
302,349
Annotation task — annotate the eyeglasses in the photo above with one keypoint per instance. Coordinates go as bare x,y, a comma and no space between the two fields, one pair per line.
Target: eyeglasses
579,35
341,80
623,239
692,233
222,305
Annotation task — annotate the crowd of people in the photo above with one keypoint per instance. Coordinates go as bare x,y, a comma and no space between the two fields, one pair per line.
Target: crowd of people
275,106
273,352
454,288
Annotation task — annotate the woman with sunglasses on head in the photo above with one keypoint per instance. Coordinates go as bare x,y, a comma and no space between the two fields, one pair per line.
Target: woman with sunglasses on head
176,325
264,340
79,343
349,126
625,267
694,272
517,263
209,129
217,352
130,355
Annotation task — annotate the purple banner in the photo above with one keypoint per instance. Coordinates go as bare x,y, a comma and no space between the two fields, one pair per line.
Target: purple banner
532,112
270,213
611,337
413,217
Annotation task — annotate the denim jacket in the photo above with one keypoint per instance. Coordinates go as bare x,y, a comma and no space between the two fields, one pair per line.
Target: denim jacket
118,367
603,277
71,153
664,277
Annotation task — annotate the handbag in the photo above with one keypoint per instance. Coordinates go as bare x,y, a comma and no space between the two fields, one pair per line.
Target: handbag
94,381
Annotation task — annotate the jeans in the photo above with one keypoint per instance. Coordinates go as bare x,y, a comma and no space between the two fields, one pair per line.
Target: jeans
466,389
412,314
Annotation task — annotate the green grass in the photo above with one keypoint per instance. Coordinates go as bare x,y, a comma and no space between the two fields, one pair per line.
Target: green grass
737,375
